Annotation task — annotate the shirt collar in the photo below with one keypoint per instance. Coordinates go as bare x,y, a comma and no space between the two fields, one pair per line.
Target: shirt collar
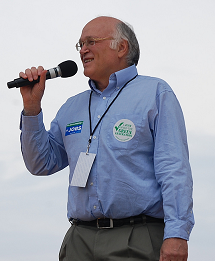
116,80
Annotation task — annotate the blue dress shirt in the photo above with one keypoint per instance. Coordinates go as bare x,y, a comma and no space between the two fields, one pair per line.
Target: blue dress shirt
149,173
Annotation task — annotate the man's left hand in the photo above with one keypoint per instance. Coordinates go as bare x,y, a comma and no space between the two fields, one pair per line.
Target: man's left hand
174,249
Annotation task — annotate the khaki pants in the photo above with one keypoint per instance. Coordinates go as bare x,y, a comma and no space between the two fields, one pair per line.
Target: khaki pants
140,242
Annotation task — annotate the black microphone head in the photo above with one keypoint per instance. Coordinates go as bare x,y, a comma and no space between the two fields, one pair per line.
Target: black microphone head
68,68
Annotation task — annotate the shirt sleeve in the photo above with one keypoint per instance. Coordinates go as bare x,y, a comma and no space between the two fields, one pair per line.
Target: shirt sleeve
172,168
43,151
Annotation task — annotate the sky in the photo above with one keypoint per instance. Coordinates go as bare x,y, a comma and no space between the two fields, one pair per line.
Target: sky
177,44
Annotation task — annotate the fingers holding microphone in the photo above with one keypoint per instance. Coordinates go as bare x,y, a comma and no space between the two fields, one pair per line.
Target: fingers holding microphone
32,74
32,94
32,83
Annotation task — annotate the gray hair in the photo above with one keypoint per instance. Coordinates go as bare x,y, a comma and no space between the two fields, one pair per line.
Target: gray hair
126,32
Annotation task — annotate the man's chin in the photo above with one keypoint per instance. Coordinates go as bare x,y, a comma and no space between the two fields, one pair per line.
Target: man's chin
87,72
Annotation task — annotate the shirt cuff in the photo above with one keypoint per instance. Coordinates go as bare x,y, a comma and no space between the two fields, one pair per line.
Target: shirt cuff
31,123
178,229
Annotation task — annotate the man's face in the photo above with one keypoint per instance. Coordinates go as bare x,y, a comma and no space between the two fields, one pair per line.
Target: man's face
99,60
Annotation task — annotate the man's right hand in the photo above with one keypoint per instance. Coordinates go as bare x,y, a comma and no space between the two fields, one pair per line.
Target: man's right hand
32,95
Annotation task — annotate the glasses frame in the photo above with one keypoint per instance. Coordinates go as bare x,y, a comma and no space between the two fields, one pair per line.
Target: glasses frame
90,42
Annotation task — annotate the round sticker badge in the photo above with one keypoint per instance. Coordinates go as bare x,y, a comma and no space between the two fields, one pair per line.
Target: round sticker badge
124,130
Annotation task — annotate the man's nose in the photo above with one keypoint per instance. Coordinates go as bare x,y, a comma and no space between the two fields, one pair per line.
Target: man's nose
84,49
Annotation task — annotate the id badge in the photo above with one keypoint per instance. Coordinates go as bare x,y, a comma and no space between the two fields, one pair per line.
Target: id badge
82,169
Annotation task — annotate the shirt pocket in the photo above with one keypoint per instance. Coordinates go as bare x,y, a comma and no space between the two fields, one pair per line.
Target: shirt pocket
124,131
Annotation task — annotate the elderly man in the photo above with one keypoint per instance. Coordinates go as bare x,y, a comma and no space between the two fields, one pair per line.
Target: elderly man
130,185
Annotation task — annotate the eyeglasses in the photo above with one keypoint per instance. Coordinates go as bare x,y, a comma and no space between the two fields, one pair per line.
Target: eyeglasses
90,42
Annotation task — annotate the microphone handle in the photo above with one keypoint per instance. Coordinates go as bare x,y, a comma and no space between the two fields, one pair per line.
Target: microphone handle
20,82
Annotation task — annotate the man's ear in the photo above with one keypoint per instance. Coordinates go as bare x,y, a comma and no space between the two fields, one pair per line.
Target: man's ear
122,48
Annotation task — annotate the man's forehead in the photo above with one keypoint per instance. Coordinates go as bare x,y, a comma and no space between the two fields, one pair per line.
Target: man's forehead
88,37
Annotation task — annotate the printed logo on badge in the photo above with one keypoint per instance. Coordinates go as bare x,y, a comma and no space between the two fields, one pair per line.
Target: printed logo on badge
124,130
74,128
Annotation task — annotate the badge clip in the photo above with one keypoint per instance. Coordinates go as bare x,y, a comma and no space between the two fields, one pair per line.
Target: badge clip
88,147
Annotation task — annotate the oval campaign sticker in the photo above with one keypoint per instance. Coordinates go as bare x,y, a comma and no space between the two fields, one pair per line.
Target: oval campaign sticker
124,130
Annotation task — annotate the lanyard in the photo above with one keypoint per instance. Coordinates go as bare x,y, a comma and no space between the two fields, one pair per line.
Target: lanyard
93,131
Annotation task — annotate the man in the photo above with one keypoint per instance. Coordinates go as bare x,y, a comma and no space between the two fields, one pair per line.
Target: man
125,144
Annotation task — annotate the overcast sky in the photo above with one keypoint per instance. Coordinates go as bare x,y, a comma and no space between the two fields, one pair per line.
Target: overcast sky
177,43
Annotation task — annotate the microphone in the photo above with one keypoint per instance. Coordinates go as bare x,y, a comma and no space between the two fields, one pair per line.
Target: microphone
64,70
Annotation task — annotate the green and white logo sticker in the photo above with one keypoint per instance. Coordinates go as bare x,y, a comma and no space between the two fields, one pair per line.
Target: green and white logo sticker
124,130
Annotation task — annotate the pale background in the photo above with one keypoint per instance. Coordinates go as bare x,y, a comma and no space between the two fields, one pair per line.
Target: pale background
177,44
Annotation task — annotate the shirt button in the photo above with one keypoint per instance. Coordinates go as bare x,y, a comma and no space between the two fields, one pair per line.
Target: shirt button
99,116
94,207
94,137
91,184
104,98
